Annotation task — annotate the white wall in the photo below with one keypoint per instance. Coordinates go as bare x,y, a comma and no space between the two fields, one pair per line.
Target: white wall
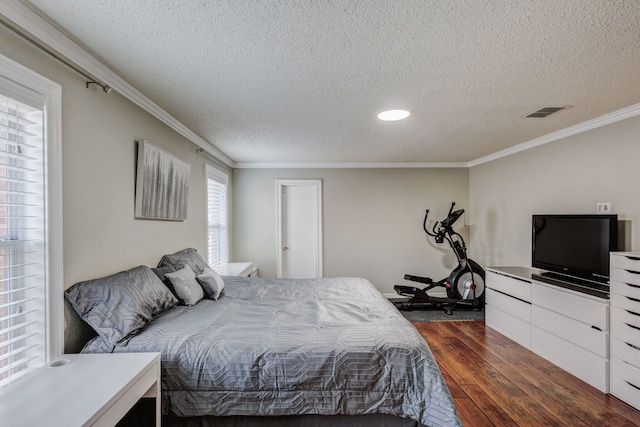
565,176
372,221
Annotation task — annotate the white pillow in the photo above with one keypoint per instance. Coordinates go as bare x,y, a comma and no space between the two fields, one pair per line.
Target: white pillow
185,285
211,283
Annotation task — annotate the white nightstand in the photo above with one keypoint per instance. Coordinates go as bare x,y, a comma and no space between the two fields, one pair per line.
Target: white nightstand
82,390
246,269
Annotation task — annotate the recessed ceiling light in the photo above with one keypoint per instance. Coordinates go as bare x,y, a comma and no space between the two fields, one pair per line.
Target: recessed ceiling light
393,115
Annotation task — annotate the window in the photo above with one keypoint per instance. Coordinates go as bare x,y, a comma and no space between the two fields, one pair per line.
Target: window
217,217
30,232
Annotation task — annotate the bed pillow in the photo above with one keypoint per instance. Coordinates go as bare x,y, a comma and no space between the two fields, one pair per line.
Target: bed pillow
188,256
160,272
211,283
119,305
185,285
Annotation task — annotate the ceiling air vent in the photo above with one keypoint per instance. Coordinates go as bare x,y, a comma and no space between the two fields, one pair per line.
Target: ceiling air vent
544,112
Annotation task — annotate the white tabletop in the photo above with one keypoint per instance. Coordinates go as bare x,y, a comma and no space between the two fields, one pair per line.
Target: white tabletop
83,387
235,269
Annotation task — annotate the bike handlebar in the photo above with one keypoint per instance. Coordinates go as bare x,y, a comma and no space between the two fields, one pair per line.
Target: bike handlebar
440,227
424,225
444,230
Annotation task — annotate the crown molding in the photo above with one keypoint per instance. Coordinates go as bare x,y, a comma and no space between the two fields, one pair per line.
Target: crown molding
29,24
345,165
604,120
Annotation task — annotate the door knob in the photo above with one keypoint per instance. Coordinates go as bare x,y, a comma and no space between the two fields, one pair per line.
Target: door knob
286,248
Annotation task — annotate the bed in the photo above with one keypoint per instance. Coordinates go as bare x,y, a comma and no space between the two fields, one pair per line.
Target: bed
327,351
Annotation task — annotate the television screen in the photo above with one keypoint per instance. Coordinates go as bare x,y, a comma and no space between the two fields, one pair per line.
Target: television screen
576,245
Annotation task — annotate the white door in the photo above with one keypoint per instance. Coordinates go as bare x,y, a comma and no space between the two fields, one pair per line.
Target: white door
299,228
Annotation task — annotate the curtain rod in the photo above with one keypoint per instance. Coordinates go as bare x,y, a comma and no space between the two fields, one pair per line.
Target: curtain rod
90,79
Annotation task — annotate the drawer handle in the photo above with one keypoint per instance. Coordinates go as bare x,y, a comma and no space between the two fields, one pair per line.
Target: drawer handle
633,299
635,347
596,328
632,385
632,271
631,326
631,312
633,286
633,258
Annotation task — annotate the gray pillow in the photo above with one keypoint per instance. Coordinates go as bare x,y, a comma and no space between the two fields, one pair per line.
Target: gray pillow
185,285
160,272
188,256
211,283
119,305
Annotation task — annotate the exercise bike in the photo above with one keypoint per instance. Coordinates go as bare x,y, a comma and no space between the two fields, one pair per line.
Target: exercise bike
465,284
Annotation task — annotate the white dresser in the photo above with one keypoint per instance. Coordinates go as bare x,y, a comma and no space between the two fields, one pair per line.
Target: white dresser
508,302
565,323
571,329
625,327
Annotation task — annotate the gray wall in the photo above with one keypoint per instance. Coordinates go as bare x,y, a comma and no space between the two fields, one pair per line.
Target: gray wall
372,220
566,176
99,132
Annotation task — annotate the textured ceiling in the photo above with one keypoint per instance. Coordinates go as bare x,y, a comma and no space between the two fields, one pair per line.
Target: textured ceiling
303,80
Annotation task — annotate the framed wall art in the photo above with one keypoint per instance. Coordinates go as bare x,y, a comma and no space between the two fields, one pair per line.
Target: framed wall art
162,184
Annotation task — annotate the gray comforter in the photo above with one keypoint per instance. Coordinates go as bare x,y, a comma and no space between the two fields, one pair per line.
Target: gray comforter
284,347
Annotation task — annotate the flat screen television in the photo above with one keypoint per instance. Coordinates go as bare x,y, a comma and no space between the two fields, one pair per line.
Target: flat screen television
575,245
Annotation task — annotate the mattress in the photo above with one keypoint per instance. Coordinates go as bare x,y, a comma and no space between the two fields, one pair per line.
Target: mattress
274,347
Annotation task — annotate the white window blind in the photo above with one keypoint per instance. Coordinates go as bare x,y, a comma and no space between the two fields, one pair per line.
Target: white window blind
217,217
22,239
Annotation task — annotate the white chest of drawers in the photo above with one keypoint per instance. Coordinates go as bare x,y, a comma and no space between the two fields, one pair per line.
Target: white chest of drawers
625,327
508,302
566,326
571,329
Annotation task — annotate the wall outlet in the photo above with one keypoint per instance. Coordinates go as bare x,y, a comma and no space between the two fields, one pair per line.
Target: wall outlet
603,207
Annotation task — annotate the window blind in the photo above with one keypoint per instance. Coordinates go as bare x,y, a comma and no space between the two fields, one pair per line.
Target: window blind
217,218
22,241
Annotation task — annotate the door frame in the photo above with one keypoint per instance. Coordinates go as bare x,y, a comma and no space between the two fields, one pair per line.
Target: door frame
317,184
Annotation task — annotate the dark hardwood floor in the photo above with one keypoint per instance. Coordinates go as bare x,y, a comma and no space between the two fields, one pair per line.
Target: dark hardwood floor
496,382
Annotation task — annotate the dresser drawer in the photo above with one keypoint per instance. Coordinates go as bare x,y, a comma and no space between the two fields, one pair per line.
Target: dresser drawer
518,288
624,288
625,351
512,327
629,317
587,366
625,302
625,382
508,304
590,310
626,333
626,261
625,276
578,333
